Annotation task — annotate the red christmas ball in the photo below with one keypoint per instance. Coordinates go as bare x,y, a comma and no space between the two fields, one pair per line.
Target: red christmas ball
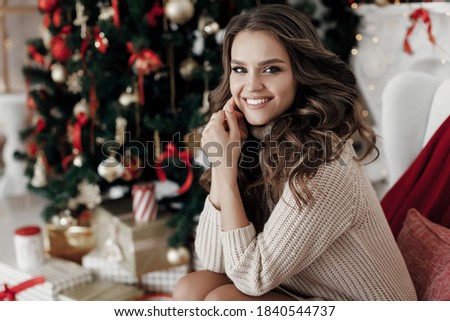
59,49
57,18
47,5
31,103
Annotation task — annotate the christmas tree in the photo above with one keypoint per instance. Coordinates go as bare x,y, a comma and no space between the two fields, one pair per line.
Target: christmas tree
117,90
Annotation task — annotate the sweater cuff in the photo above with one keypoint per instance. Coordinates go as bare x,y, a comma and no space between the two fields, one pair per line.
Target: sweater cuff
213,214
236,242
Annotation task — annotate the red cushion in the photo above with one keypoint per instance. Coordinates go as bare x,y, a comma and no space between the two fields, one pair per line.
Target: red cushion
426,249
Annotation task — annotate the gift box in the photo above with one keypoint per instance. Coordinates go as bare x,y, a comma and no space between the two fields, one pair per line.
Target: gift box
164,281
70,243
107,270
102,291
59,274
143,245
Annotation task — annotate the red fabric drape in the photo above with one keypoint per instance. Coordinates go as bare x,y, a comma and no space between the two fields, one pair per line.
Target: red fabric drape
425,185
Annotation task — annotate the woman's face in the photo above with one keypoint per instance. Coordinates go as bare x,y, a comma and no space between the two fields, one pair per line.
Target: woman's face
262,82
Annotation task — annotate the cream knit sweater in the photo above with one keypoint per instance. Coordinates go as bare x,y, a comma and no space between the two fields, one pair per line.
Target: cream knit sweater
340,248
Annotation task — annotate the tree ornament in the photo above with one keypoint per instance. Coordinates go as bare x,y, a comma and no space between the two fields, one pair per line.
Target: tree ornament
59,49
101,42
110,169
74,82
143,63
382,3
133,167
31,104
58,73
88,194
156,11
81,107
179,11
39,172
46,36
128,98
56,18
64,220
207,25
187,68
121,125
80,19
47,5
106,13
178,256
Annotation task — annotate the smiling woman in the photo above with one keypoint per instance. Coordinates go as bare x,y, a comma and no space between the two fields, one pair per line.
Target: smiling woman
300,221
263,84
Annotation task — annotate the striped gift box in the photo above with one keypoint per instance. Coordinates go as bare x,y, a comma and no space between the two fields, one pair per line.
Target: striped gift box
145,207
60,275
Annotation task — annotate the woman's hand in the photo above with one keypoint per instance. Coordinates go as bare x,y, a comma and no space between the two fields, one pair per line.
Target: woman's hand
223,136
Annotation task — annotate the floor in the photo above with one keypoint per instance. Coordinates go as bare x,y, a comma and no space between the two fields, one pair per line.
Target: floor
16,212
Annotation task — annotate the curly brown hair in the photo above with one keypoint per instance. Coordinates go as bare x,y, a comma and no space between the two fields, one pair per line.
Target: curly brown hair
325,110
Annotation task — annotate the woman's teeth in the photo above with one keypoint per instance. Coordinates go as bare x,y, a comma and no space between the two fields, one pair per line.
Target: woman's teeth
257,101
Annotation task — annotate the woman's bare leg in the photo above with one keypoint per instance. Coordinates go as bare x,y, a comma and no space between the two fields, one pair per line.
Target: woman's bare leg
197,285
229,292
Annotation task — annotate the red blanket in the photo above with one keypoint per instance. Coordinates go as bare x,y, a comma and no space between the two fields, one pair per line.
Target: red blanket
425,185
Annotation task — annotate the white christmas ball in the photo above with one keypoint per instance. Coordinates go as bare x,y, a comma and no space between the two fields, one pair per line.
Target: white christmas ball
126,99
110,169
58,73
81,107
219,36
198,45
179,11
178,256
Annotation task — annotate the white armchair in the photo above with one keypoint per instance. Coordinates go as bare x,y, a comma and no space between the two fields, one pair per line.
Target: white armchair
414,105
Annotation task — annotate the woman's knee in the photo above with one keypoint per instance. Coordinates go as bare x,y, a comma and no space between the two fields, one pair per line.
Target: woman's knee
196,286
185,289
227,292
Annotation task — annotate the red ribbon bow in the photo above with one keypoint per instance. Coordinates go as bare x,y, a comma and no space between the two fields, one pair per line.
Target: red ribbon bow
82,120
35,55
9,294
156,11
116,17
415,16
146,61
184,156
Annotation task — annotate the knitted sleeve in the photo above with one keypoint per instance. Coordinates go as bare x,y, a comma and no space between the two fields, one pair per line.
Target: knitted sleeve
292,237
208,244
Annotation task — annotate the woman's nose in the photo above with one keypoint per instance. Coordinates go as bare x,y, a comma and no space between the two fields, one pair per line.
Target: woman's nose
254,83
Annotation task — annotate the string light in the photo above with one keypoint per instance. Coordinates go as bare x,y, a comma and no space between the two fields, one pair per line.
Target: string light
371,87
359,37
354,51
375,39
354,6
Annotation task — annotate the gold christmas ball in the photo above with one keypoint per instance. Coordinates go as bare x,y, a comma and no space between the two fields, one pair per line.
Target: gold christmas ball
382,3
179,11
208,26
187,68
58,73
178,256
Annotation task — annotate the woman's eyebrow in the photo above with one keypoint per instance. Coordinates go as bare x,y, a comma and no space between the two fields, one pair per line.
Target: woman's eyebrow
265,62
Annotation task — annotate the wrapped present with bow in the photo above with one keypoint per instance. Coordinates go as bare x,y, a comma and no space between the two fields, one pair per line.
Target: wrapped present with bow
50,278
9,293
137,245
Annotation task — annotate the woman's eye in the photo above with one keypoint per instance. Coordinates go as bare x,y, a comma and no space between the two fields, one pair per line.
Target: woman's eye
271,70
238,69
